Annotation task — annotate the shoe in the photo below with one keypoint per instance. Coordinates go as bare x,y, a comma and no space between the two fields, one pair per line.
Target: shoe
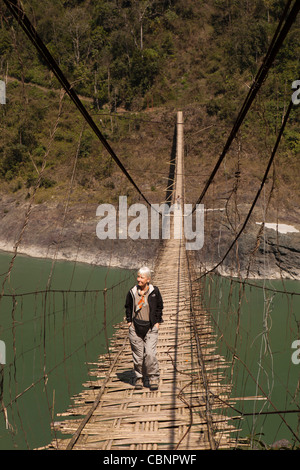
153,385
138,383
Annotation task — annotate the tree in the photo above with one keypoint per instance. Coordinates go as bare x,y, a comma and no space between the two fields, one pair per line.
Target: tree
78,21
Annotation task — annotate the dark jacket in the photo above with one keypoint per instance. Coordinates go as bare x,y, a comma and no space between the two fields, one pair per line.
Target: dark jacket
155,305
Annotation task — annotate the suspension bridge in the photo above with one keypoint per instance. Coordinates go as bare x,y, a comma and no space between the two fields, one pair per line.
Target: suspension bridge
186,411
190,409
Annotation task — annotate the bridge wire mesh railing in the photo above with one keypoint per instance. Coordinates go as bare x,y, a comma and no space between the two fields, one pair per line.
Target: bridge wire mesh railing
233,314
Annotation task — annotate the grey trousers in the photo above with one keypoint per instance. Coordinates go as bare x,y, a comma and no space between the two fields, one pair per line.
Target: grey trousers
144,353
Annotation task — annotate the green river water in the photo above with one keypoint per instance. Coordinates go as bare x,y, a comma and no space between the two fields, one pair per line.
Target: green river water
51,339
256,328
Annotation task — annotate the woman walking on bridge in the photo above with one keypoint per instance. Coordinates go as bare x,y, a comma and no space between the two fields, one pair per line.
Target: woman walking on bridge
144,307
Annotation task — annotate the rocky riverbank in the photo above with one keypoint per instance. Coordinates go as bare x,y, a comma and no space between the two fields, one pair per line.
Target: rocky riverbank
52,231
263,251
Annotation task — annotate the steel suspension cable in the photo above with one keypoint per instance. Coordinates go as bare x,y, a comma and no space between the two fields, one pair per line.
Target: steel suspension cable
274,47
258,192
19,14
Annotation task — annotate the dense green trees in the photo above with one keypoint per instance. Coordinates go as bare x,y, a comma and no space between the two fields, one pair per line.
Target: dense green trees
116,51
127,53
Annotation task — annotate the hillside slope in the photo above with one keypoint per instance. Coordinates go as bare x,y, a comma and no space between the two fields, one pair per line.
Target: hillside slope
137,63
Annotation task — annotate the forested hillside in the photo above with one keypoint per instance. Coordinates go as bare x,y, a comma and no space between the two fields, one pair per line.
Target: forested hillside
135,63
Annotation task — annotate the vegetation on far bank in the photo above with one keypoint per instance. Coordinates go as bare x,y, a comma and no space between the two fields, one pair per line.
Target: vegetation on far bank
136,63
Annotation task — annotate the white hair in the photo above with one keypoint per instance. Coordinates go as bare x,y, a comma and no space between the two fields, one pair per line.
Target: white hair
145,271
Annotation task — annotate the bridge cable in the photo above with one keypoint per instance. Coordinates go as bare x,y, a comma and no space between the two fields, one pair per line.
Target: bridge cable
17,11
274,47
258,192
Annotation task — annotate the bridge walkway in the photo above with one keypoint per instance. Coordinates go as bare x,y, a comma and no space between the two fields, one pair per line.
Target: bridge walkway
183,413
188,410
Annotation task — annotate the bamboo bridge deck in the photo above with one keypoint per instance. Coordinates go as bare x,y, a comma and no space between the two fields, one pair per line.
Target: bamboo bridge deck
182,414
187,412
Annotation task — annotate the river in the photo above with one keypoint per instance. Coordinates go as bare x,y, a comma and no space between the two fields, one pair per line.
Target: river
53,336
51,339
256,330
